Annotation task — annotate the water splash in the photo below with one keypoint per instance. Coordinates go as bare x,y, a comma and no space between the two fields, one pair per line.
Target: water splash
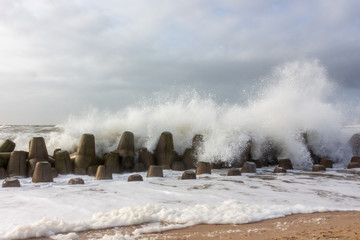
293,99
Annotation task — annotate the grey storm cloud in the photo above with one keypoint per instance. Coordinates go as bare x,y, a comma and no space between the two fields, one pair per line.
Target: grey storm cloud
63,56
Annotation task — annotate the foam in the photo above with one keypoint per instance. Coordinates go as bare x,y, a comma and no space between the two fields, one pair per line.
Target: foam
42,209
117,236
69,236
229,212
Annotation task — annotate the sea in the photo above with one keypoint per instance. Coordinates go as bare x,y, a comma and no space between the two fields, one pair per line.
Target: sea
296,98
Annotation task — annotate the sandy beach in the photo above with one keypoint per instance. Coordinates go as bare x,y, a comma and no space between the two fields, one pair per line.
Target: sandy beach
327,225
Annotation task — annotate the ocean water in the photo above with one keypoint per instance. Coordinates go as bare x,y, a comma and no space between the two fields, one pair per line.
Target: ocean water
293,99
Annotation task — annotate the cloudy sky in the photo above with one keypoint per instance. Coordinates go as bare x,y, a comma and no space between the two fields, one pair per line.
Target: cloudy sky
62,57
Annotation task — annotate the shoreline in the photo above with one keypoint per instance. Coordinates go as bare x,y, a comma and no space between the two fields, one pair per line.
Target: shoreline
321,225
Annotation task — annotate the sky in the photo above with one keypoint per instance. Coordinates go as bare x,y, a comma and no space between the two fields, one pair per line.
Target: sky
58,58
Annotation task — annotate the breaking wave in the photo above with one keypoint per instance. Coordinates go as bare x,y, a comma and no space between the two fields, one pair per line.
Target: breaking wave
294,99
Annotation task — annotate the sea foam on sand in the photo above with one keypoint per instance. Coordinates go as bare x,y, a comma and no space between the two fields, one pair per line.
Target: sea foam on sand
47,209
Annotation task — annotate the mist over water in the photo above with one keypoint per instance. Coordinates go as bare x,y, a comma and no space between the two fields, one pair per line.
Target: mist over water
293,99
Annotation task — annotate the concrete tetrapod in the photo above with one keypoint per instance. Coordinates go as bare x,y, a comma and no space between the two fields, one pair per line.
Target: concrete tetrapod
75,181
63,162
37,152
234,172
135,178
3,173
139,167
355,159
155,171
7,146
248,167
258,163
126,149
190,154
188,174
203,168
327,163
54,172
32,163
42,172
127,143
85,153
178,166
285,163
146,157
164,153
37,149
11,182
189,158
103,173
92,170
318,168
4,159
17,165
353,165
112,162
56,150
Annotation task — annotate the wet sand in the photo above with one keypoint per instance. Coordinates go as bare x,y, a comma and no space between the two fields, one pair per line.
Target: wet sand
328,225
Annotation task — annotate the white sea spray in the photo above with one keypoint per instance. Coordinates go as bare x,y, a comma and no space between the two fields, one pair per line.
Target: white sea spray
293,99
